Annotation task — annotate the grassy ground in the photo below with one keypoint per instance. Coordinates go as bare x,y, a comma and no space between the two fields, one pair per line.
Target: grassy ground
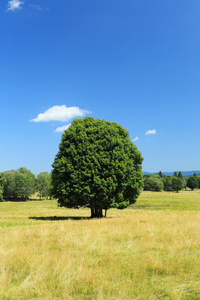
184,200
149,251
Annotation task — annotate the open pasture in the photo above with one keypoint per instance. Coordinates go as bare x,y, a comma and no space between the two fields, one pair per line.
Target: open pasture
148,251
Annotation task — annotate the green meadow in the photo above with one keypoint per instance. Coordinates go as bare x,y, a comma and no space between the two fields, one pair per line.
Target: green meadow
150,250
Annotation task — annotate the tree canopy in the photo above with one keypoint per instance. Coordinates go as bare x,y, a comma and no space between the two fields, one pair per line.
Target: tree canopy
19,185
192,182
25,183
44,184
180,175
198,181
9,184
97,166
2,181
167,180
177,184
153,184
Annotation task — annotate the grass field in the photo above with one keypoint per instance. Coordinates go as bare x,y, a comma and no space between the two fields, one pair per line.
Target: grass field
148,251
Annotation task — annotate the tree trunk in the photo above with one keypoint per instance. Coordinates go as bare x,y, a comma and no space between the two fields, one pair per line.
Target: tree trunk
96,212
92,212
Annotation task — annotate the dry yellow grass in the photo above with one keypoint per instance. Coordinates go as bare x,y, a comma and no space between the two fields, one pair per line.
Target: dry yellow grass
132,254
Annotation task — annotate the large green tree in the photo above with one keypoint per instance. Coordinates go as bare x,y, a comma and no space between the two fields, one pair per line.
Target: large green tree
97,166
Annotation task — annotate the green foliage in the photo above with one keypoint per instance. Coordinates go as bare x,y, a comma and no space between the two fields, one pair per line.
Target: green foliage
177,184
2,181
44,184
180,175
153,184
198,180
19,184
185,183
167,180
25,183
160,174
9,186
175,174
97,166
155,176
192,182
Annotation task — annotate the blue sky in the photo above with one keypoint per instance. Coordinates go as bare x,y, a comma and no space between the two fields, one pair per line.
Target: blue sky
133,62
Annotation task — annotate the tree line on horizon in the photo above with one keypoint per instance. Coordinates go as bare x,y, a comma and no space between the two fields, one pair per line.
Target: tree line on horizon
19,185
159,182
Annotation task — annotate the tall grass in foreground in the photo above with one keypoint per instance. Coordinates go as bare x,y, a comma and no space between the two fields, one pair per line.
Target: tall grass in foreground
132,254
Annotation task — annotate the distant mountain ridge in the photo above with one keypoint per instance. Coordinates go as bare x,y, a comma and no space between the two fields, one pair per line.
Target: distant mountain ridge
184,173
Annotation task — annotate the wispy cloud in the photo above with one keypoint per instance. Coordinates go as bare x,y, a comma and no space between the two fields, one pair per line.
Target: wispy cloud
36,6
60,113
150,132
62,128
136,139
14,4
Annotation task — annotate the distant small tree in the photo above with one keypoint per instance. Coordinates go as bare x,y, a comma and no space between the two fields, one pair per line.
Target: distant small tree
194,174
192,182
9,185
167,180
153,184
185,183
160,174
155,175
180,175
175,174
25,183
1,186
44,184
198,180
146,175
177,184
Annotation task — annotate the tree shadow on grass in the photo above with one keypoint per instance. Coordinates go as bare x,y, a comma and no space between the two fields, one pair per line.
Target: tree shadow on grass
150,205
55,218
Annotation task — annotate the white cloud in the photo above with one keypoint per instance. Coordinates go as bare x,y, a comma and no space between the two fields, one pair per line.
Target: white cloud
14,4
136,139
60,113
150,132
62,128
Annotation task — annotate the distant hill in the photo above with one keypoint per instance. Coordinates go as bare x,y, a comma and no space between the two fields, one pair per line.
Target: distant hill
184,173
